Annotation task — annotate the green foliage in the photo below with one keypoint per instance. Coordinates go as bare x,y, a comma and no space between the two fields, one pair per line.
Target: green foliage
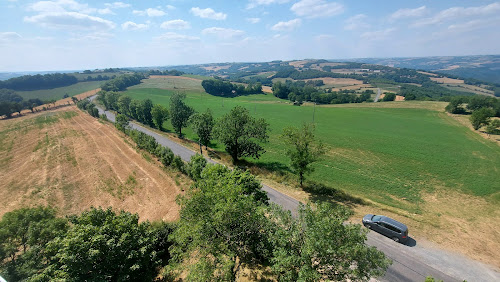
456,105
165,155
319,246
304,149
144,114
124,105
202,124
104,246
481,117
179,112
36,82
24,234
196,166
494,127
218,223
121,122
179,164
389,97
122,82
222,88
240,132
159,114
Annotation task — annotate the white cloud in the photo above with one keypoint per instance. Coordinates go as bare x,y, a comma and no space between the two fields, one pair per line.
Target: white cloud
150,12
408,13
70,20
208,13
92,37
170,7
474,25
287,26
223,33
254,3
176,24
117,5
176,37
378,34
60,6
317,8
134,26
105,11
356,22
253,20
9,36
459,13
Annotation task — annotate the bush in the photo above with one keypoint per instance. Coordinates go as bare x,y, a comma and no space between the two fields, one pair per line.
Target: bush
165,156
196,166
178,163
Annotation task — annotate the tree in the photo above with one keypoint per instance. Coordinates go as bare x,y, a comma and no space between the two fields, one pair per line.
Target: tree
318,246
102,245
456,105
124,105
179,112
389,97
196,166
494,127
304,149
481,117
144,112
159,114
121,122
219,222
24,234
240,132
202,124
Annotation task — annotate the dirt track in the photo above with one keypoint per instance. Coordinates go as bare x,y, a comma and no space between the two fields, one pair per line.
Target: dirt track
77,162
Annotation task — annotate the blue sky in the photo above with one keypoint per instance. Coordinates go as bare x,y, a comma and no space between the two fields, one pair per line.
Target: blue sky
79,34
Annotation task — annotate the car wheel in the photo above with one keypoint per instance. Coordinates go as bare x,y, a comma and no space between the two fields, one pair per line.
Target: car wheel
396,239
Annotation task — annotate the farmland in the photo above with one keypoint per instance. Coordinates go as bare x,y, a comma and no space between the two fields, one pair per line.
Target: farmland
69,160
390,155
58,93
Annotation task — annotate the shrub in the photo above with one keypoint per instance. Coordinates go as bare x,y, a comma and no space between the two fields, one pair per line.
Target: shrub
196,166
178,163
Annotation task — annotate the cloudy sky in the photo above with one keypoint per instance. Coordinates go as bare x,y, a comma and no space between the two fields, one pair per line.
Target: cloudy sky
89,34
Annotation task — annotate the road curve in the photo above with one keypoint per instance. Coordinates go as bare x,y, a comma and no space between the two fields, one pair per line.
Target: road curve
412,262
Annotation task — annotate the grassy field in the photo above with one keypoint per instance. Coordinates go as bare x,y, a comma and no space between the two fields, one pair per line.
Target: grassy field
386,154
58,93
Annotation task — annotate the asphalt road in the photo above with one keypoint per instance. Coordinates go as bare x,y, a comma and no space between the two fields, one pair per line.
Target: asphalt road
412,262
378,95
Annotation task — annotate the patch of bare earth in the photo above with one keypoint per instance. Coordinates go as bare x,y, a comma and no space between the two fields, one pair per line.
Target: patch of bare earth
398,98
78,162
427,73
447,80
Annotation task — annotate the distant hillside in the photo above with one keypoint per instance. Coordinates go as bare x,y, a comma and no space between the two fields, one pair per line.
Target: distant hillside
485,67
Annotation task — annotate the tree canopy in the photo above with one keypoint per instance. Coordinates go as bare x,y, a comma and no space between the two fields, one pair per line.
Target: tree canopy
179,112
202,124
240,132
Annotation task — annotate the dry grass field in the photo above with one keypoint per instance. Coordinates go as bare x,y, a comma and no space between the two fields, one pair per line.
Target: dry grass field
447,80
69,160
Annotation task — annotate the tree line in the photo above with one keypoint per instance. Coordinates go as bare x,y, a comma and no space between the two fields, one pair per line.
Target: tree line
218,87
301,91
166,72
38,82
122,82
11,102
482,109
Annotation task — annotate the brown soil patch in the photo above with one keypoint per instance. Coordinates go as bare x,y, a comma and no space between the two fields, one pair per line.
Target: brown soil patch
267,89
216,68
451,67
398,98
447,80
76,162
174,77
343,81
298,64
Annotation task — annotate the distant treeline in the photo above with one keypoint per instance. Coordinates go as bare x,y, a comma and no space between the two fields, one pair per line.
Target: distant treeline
10,103
469,104
222,88
122,82
300,91
99,78
38,82
167,72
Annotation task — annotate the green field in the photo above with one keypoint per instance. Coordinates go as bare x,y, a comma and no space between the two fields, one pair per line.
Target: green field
388,155
58,93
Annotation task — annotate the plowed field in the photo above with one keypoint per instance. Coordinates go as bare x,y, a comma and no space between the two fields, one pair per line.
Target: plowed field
69,160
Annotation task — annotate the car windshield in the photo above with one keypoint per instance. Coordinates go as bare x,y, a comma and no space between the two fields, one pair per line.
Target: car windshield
376,218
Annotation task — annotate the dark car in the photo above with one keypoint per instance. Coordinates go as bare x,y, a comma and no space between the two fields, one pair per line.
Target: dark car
389,227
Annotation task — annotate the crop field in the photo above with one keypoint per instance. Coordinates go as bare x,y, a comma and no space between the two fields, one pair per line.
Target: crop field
389,155
58,93
71,161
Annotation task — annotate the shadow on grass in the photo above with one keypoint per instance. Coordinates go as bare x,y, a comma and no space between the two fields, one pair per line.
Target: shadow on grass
320,192
273,166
